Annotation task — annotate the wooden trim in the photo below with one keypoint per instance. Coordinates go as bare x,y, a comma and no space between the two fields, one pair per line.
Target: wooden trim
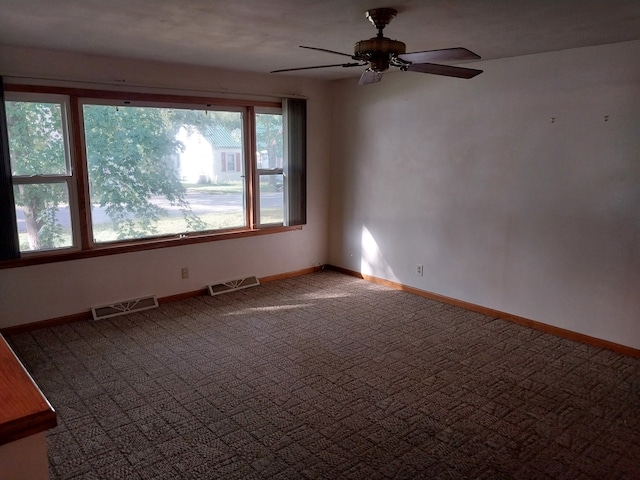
183,296
560,332
25,410
84,316
76,317
252,180
297,273
544,327
52,322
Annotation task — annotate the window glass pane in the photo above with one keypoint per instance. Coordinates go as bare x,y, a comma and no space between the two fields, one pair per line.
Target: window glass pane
269,140
43,216
163,171
36,138
269,143
271,199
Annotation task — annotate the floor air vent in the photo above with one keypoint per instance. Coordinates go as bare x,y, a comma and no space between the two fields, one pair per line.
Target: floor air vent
122,308
233,285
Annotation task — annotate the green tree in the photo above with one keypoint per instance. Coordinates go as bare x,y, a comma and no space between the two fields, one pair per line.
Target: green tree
130,153
269,136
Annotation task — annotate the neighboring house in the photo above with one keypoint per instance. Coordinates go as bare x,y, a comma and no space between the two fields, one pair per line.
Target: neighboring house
212,156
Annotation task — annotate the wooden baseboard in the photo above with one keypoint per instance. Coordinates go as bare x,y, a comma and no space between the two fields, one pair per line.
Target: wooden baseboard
297,273
76,317
183,296
52,322
544,327
561,332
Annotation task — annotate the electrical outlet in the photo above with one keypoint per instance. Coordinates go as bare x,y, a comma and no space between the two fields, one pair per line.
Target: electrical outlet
419,270
185,272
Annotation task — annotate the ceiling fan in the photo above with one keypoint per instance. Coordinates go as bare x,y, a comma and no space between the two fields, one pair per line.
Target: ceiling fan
380,53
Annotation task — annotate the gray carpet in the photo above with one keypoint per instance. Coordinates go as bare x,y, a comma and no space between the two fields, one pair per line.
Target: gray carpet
328,376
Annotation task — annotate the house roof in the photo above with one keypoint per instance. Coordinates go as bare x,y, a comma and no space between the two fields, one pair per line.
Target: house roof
220,138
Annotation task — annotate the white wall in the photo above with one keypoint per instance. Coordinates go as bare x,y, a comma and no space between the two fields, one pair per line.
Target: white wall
504,207
30,294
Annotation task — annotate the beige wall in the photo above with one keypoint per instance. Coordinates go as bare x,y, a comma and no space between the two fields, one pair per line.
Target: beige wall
47,291
504,208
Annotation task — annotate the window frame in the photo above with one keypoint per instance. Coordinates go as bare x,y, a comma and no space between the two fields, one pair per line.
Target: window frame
84,101
67,178
260,171
78,186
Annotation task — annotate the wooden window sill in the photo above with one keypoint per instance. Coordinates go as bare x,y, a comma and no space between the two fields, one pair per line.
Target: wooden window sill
127,247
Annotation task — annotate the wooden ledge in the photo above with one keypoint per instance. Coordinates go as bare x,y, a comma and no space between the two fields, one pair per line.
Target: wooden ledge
24,410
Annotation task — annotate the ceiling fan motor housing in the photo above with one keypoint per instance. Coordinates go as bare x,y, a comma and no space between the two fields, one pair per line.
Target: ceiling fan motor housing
377,51
381,53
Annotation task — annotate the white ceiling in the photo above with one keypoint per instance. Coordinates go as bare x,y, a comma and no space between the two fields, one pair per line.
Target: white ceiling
260,36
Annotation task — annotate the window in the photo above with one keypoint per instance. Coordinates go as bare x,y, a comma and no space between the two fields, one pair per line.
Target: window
151,170
43,186
270,152
95,169
231,162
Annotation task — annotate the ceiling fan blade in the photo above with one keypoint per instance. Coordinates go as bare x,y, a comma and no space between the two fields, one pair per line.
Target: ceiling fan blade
369,76
446,70
328,51
444,55
320,66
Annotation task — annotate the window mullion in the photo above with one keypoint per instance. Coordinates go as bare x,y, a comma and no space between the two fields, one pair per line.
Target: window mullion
37,179
79,165
251,175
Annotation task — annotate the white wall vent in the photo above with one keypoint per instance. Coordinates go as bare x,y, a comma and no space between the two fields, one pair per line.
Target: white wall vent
233,285
122,308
